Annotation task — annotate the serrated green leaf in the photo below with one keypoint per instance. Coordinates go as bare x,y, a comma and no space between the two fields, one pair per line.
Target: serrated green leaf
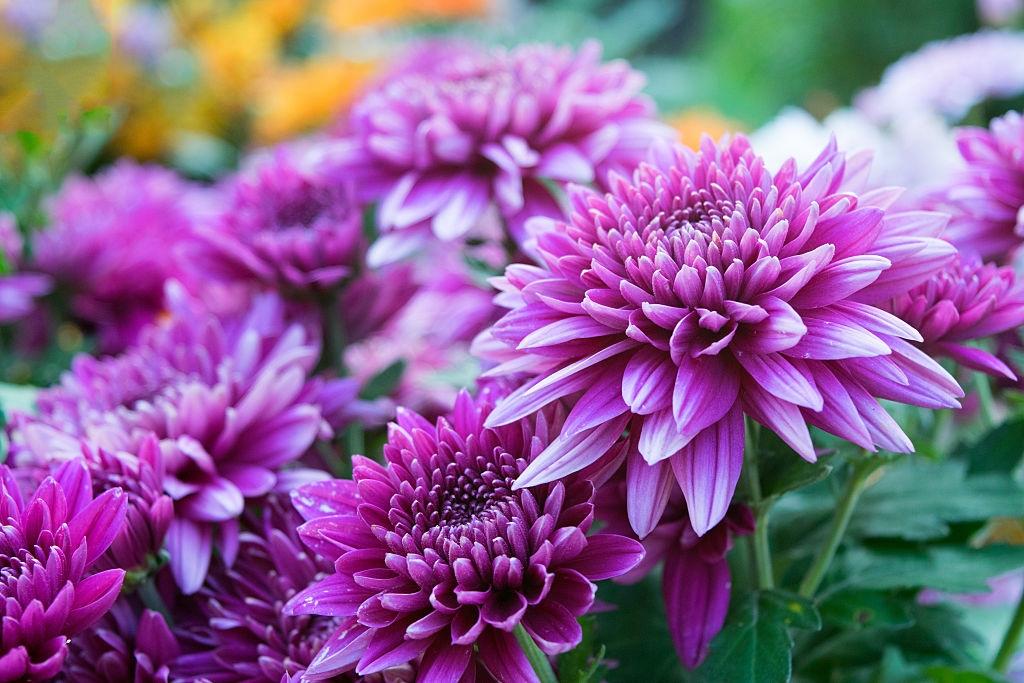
901,506
955,569
384,382
755,645
860,609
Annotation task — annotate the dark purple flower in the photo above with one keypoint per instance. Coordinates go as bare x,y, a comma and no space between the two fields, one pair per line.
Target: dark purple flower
128,645
285,226
436,558
48,545
986,199
230,402
706,289
965,301
114,241
460,130
240,633
696,580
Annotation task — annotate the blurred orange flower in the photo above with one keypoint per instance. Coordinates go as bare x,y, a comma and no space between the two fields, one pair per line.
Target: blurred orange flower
296,99
693,123
345,15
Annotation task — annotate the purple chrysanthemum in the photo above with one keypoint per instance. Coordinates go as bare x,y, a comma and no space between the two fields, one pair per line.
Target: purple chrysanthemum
48,546
18,291
986,199
241,633
437,558
696,580
114,242
965,301
440,144
230,402
707,288
285,226
127,645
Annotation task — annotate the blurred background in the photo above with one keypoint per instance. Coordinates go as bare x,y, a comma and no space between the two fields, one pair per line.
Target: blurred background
193,82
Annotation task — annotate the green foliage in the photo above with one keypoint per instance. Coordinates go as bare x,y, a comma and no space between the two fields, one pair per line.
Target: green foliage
755,645
583,663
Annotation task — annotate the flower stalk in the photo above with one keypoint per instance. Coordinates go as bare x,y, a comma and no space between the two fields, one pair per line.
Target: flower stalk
538,660
855,486
759,541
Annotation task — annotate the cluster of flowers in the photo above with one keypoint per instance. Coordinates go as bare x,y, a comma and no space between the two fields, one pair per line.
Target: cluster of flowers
181,522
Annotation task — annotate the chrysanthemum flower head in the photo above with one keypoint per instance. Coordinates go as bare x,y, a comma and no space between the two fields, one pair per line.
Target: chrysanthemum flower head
965,301
48,547
240,632
128,644
285,226
986,199
468,129
113,242
705,289
436,557
230,402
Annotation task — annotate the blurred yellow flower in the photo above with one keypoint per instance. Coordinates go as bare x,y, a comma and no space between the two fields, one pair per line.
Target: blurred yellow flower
693,123
235,50
296,99
345,15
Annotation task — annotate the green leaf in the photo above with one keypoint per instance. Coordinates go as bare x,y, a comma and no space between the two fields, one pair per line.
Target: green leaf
859,609
384,382
781,469
918,499
949,674
955,569
999,450
582,663
755,645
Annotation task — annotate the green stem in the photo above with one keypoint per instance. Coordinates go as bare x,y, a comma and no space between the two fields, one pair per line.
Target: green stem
759,542
538,660
332,356
985,400
150,597
856,484
1008,648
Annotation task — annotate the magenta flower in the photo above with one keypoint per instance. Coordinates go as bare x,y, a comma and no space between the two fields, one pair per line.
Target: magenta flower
986,199
49,545
240,632
965,301
706,289
696,580
127,645
18,290
461,129
436,557
230,402
285,226
114,242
